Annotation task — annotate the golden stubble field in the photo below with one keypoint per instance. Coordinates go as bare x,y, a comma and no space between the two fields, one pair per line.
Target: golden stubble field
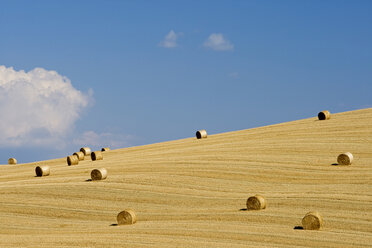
190,193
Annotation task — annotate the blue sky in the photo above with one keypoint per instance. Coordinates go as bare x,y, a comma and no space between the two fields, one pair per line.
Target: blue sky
126,73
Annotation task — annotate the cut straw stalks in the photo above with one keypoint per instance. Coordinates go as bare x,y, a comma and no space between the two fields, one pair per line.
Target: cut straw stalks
105,149
312,221
42,170
72,160
201,134
79,155
256,202
12,161
324,115
98,174
126,217
345,158
97,155
85,150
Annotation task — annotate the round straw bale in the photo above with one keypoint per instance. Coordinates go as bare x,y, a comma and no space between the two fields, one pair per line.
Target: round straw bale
256,202
201,134
126,217
79,155
345,158
85,150
324,115
72,160
312,221
42,170
97,155
98,174
12,161
105,149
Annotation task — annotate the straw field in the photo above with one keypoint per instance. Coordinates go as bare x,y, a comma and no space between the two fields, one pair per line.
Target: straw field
193,192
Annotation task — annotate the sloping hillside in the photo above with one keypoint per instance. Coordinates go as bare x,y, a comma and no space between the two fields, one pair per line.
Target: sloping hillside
189,193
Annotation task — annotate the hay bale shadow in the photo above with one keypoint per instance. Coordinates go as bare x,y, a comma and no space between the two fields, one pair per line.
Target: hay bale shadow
298,228
88,180
335,164
114,224
250,210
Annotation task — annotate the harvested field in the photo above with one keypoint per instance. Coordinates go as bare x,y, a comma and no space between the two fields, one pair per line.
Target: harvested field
193,193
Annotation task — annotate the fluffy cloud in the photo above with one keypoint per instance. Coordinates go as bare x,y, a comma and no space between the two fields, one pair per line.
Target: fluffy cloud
219,43
38,107
170,40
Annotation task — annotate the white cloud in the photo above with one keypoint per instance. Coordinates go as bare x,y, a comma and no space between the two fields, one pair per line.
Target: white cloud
218,42
38,107
234,75
99,140
170,40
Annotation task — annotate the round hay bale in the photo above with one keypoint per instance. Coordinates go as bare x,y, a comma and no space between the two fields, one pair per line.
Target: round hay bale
312,221
105,149
256,202
126,217
42,170
98,174
345,158
12,161
72,160
97,155
324,115
201,134
79,155
86,151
